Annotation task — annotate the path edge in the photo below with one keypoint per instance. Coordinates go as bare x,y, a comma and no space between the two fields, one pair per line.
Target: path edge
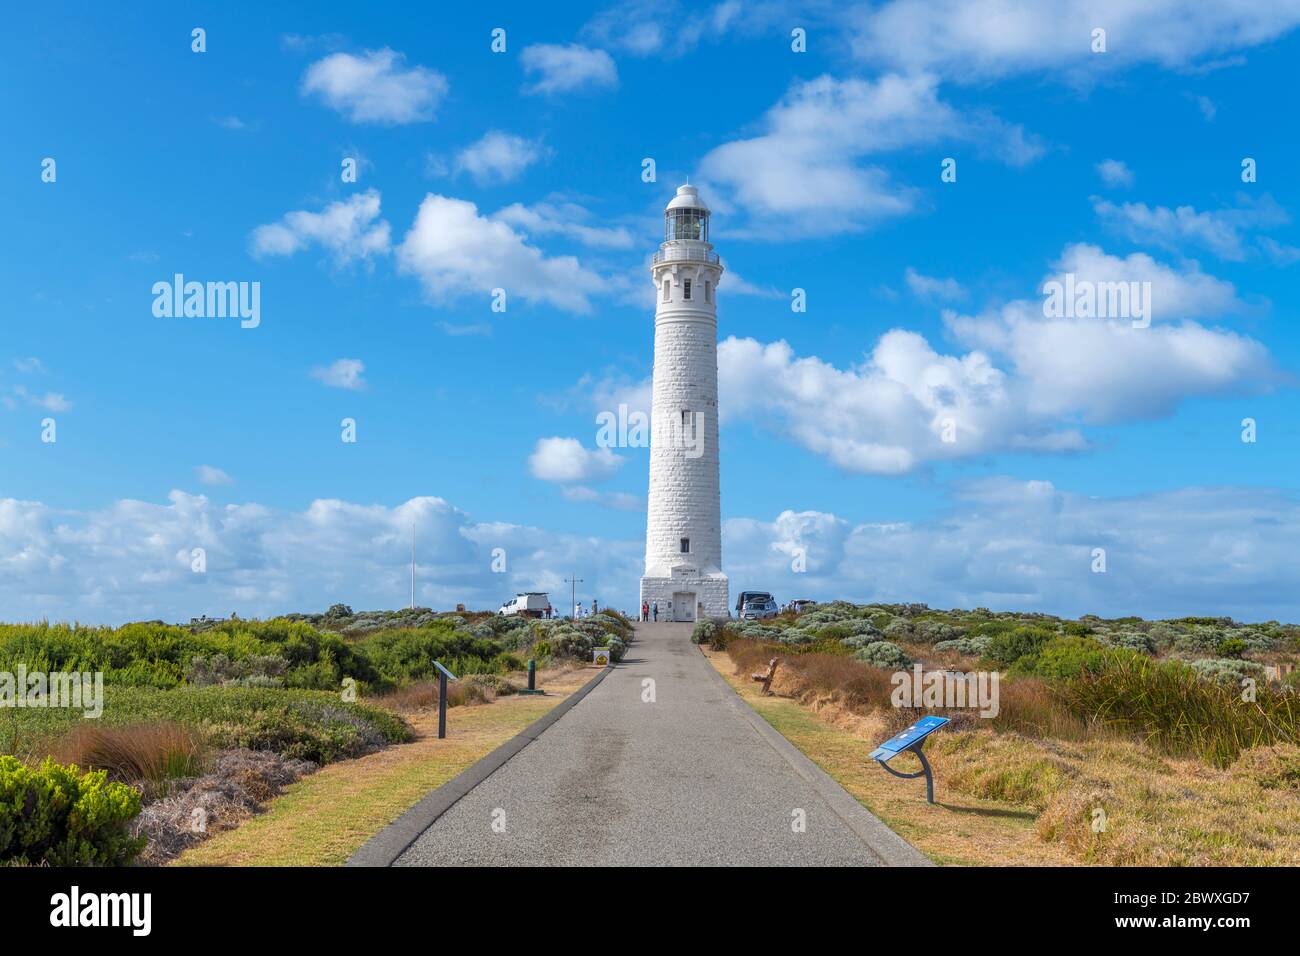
388,844
883,842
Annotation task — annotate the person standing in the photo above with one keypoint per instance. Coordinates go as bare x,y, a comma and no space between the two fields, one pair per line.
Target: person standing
645,611
654,609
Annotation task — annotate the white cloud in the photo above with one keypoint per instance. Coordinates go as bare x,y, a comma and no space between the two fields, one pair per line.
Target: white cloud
30,366
1207,108
455,251
807,173
889,415
211,475
674,31
1222,231
565,69
231,123
498,157
566,461
929,287
1027,545
1115,172
349,229
132,560
974,40
1105,370
50,401
342,373
1004,544
565,219
376,87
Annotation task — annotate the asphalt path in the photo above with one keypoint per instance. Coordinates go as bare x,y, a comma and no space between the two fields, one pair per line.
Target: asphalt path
661,764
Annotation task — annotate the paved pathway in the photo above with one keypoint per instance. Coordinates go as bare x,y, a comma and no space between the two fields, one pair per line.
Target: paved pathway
693,778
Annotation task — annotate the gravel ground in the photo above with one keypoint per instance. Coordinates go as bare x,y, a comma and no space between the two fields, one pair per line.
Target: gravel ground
685,780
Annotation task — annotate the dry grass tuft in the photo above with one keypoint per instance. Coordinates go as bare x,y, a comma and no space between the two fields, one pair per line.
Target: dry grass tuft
134,753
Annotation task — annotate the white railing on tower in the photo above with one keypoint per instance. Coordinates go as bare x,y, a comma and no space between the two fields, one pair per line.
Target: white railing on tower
688,253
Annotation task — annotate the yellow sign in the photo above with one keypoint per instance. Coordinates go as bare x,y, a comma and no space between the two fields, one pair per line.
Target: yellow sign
600,656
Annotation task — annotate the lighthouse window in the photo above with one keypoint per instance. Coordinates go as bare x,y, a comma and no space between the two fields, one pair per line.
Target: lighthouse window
667,284
686,289
686,545
708,292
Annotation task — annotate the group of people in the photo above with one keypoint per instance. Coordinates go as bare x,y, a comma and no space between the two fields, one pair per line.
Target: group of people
593,610
649,611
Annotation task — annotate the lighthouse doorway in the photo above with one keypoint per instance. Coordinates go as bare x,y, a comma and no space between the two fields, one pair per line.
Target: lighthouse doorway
683,605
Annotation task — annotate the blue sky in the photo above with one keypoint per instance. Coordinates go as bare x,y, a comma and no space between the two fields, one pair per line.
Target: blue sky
523,170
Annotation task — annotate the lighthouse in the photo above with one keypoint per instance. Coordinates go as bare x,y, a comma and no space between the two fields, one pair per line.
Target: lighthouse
683,547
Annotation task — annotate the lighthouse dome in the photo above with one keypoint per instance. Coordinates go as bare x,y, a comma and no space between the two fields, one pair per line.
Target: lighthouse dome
688,197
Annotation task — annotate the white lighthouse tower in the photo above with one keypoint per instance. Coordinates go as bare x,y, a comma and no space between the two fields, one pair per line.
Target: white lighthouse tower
683,547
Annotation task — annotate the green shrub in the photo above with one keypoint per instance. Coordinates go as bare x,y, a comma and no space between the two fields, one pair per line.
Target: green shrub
1069,656
57,816
703,632
1227,670
1005,647
884,654
1134,641
1230,647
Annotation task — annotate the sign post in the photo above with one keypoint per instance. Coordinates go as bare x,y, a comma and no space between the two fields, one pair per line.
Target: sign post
443,676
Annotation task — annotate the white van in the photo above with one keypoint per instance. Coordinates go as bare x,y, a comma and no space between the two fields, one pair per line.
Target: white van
527,603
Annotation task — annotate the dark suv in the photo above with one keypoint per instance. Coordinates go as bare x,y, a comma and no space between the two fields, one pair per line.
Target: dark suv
752,597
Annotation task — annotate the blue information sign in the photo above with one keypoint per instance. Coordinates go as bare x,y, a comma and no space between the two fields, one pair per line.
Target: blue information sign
908,738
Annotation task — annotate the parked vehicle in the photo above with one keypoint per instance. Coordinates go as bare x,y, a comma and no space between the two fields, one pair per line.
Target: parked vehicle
747,596
527,603
801,605
757,610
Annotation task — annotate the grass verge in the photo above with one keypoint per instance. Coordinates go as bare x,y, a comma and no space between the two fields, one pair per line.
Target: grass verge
323,818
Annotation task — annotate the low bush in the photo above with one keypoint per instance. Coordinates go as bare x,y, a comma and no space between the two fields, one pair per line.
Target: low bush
1008,646
55,815
884,654
703,632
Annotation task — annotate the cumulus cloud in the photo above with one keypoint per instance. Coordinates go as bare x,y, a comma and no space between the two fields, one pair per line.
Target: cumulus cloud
1223,232
349,230
29,365
498,157
1002,543
975,40
342,373
809,172
1114,172
212,475
904,406
376,87
1105,370
565,69
566,461
1026,545
566,219
456,251
1025,383
133,559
